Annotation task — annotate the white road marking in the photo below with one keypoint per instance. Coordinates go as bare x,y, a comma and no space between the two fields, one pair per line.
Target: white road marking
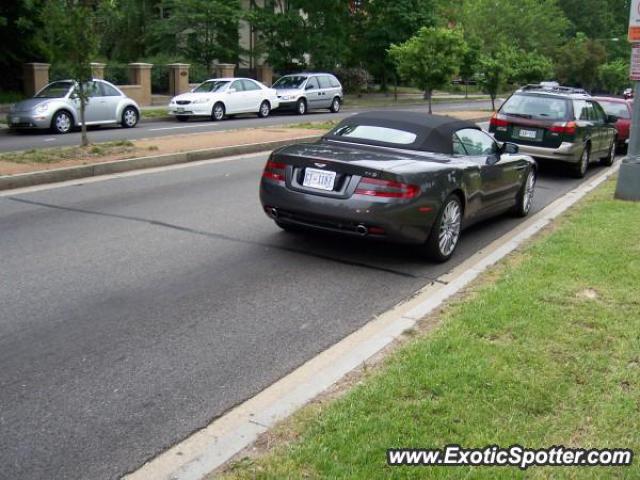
181,127
49,139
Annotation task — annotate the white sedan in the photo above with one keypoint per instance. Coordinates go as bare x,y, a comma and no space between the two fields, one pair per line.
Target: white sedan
219,97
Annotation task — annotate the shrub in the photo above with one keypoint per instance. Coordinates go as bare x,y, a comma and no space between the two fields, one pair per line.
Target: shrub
354,80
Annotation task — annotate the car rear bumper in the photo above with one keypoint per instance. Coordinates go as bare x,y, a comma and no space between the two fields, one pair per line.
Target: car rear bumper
385,219
566,152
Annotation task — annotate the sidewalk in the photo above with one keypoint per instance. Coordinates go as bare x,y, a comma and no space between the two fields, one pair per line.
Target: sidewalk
543,351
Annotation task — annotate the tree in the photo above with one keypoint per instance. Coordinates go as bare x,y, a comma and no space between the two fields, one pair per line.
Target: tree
201,30
530,25
530,67
614,76
70,35
385,23
578,61
429,59
469,65
494,69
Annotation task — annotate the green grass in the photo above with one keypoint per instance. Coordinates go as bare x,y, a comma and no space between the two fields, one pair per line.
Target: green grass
155,113
545,351
58,154
328,125
352,101
10,97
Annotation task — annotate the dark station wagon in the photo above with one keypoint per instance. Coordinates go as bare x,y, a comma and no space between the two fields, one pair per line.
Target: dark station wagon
560,124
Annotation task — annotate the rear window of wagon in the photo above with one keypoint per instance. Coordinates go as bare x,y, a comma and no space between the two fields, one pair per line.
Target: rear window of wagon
538,107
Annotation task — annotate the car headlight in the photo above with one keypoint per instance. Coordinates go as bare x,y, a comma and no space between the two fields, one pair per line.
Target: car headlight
200,100
42,108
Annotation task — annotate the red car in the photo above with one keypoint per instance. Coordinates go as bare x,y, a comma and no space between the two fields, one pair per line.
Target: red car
621,108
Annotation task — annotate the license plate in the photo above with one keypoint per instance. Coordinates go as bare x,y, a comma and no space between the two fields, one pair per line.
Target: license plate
320,179
528,133
180,109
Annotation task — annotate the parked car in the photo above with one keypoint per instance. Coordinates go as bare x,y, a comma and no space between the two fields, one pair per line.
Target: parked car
621,108
562,124
57,107
309,91
628,93
219,97
406,177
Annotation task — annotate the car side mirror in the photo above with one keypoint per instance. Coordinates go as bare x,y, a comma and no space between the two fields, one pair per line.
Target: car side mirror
612,119
509,148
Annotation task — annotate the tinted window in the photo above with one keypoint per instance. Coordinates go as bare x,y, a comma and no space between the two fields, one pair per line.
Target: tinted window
312,84
55,90
108,90
474,142
375,133
249,85
325,82
620,110
293,81
537,106
211,86
583,110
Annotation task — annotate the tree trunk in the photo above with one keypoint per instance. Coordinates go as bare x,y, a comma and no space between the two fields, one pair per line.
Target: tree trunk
428,95
493,102
83,129
466,89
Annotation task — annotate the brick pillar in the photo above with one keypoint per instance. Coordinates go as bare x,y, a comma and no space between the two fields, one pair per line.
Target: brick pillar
97,70
225,70
140,74
178,78
265,74
36,76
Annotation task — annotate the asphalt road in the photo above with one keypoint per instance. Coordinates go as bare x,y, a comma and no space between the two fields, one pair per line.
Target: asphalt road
13,141
135,310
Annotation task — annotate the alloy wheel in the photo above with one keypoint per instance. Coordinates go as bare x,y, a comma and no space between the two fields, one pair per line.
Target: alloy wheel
63,122
130,117
218,112
449,228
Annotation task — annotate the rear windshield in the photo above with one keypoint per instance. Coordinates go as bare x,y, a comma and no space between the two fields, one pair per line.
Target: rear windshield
618,109
537,106
294,81
376,133
211,86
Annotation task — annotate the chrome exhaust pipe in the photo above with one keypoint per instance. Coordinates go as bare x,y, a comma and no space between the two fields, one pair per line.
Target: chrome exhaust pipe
362,230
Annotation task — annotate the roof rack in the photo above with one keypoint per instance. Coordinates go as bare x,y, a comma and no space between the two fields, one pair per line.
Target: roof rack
554,89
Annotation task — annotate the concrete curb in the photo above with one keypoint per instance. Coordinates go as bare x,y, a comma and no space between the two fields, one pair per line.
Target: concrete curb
30,179
209,449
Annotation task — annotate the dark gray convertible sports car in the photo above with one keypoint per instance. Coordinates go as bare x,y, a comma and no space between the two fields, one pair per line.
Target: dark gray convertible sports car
402,176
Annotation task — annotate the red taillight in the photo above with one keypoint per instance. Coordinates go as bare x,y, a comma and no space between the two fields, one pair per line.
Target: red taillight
386,188
564,128
274,171
498,121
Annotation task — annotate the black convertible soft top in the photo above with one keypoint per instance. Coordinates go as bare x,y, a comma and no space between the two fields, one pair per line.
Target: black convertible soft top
434,133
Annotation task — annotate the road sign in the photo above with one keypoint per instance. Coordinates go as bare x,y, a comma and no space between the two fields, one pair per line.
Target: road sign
634,72
634,21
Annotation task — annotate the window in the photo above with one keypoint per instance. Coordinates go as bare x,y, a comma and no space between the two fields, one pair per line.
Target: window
536,106
294,82
238,86
474,143
312,84
325,82
334,82
583,110
211,86
108,90
55,90
250,85
377,134
598,112
618,109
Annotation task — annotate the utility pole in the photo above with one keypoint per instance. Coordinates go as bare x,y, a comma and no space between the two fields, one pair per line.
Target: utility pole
628,187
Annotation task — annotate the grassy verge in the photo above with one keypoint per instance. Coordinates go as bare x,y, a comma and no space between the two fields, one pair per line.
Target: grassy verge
152,113
315,125
545,352
383,101
60,154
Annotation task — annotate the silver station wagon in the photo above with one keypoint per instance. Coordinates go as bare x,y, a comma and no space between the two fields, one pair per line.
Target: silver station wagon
302,92
57,107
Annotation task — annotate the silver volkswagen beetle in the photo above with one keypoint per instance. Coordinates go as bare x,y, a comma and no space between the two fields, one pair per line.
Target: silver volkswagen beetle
57,107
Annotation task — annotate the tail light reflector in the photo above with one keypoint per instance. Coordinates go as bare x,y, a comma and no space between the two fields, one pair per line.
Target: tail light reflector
274,171
565,128
386,188
498,121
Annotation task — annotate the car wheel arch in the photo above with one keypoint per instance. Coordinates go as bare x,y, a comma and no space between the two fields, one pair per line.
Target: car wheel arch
458,192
